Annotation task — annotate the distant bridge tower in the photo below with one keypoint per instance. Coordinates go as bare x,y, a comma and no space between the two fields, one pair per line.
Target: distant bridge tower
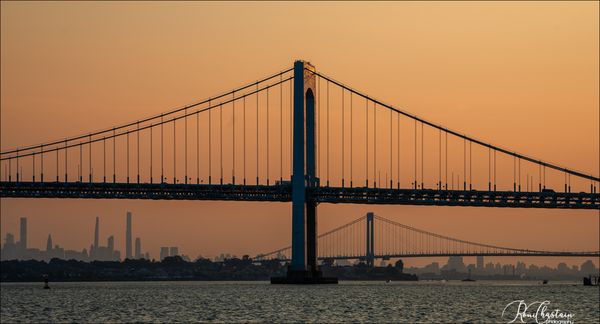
304,267
370,240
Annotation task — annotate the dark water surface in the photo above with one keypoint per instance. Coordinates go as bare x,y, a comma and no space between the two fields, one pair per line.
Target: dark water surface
481,301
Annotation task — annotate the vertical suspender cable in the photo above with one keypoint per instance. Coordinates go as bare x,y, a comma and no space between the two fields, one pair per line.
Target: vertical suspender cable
127,156
422,156
374,145
185,143
351,136
138,152
197,147
328,152
233,139
221,140
343,137
151,155
80,162
244,107
446,161
440,159
494,170
470,165
280,128
162,169
174,152
257,179
114,156
367,143
415,184
398,149
464,164
268,124
391,151
209,142
103,158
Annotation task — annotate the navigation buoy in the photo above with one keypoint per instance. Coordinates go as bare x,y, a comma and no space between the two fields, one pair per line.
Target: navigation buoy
46,282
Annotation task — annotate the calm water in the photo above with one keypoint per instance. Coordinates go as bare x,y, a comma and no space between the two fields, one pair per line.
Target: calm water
481,301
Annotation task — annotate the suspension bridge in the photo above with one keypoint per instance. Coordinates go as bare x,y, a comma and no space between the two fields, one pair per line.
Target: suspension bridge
296,136
374,237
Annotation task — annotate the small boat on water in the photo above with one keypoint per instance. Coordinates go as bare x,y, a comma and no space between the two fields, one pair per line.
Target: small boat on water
545,282
591,281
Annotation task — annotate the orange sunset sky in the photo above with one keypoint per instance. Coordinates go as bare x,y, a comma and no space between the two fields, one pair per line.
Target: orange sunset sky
522,75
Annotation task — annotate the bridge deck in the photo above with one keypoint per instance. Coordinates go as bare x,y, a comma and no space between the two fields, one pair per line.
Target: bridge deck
282,193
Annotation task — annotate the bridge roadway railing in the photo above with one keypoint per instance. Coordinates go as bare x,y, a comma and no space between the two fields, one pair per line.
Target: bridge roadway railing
282,193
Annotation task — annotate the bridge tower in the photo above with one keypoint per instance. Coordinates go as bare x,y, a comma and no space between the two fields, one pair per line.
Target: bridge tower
304,268
370,240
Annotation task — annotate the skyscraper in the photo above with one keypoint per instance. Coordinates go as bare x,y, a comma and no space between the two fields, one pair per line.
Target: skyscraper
128,237
96,233
173,251
164,252
111,243
480,262
49,243
138,248
23,237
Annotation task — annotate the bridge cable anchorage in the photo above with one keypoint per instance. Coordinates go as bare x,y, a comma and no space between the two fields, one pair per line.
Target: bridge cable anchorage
476,141
147,119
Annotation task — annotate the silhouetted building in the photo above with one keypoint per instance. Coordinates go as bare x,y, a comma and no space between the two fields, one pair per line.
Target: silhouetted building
173,251
138,248
49,243
97,233
164,252
128,237
23,236
480,262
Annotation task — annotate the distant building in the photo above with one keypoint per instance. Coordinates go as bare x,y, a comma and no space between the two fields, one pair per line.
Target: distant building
128,254
455,263
138,248
173,251
23,236
164,252
480,262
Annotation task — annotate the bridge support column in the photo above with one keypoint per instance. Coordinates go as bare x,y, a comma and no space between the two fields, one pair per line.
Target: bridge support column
304,268
370,240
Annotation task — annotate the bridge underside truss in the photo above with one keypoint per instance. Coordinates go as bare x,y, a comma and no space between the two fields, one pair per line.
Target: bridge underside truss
278,193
